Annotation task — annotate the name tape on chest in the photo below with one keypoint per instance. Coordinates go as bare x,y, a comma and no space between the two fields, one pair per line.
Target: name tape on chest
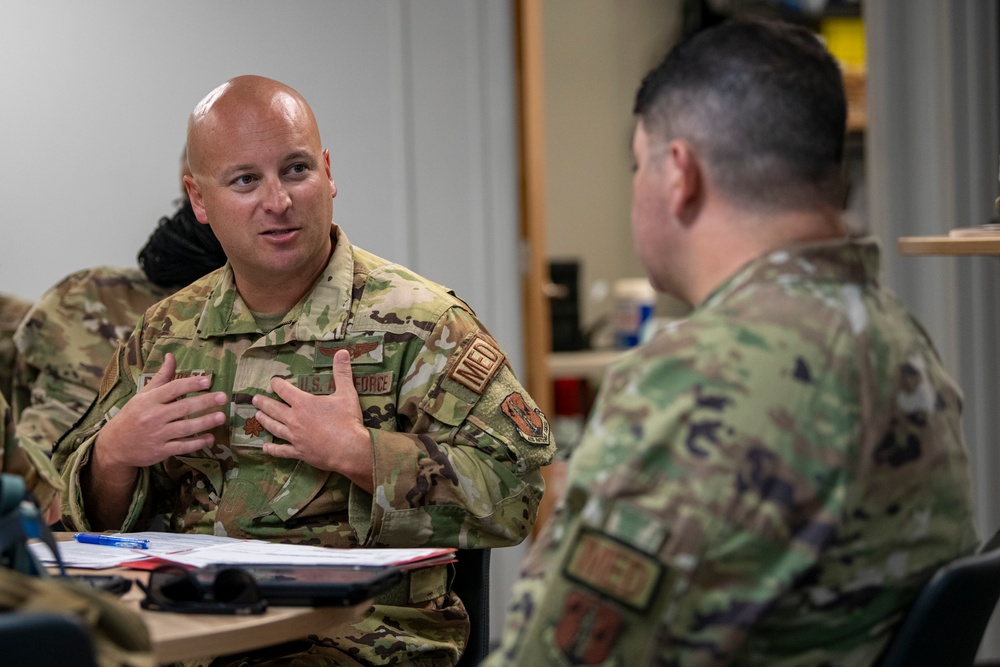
179,375
321,384
614,569
479,362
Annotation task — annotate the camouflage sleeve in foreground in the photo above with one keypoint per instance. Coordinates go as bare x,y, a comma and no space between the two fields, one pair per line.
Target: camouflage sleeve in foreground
12,311
65,343
767,483
40,476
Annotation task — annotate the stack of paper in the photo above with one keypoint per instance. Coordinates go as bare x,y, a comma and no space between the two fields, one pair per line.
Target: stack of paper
201,550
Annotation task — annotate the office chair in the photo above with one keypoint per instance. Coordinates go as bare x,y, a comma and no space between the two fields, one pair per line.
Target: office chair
945,625
45,640
472,585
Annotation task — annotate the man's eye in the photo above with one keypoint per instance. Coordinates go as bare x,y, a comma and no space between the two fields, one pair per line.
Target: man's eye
297,168
245,179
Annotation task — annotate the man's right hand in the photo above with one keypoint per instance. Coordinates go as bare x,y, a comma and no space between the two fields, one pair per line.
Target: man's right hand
155,424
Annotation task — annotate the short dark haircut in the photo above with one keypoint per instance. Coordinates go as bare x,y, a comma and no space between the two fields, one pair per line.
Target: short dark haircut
762,103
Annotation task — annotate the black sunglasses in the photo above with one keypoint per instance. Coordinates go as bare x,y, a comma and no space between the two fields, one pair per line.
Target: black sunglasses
174,588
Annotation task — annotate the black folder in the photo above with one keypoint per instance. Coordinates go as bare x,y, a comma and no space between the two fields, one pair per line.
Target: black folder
311,585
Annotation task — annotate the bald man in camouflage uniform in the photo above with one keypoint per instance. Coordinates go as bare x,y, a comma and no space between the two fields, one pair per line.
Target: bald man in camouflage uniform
310,392
770,480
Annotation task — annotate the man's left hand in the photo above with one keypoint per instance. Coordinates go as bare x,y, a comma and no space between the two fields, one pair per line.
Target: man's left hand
326,432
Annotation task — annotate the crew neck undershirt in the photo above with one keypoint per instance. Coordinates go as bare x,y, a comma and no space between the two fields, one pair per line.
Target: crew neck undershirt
268,321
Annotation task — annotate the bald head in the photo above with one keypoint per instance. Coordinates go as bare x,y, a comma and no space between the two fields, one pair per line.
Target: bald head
238,103
261,179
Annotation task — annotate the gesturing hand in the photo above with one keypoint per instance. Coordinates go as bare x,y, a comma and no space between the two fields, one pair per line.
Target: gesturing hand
157,422
326,432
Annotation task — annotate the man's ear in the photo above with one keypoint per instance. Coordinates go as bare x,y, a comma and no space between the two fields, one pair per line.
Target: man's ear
329,174
687,189
197,201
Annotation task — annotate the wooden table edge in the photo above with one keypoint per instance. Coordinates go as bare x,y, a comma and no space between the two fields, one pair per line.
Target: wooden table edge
948,245
276,626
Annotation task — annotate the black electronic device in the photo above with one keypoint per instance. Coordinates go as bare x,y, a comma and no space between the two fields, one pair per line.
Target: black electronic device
311,585
109,583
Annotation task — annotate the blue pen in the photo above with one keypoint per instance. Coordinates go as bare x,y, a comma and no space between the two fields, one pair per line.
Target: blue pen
111,541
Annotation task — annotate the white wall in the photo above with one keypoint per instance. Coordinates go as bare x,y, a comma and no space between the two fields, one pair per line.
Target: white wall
416,102
932,146
595,54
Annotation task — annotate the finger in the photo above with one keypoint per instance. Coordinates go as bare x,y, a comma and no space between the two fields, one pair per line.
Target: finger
174,389
188,445
195,426
276,428
271,407
280,451
285,390
164,375
342,375
192,405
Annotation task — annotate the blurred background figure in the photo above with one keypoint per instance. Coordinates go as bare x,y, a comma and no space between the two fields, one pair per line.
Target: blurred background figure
69,336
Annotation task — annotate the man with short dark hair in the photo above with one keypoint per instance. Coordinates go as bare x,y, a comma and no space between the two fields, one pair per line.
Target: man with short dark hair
770,480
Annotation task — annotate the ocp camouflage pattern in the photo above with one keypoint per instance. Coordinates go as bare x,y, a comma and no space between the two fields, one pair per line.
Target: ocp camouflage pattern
27,461
12,311
452,468
66,341
766,482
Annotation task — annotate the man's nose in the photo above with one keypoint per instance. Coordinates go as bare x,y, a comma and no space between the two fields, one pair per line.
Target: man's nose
276,198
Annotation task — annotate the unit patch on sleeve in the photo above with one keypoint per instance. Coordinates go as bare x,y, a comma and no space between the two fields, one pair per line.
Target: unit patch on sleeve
614,569
479,362
588,629
529,420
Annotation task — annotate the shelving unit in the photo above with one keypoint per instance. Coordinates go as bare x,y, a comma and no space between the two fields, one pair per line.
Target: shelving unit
926,246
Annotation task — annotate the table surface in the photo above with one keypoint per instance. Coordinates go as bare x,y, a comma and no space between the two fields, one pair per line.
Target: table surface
183,636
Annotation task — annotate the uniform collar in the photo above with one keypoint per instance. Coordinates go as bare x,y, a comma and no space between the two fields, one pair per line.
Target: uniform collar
322,314
854,260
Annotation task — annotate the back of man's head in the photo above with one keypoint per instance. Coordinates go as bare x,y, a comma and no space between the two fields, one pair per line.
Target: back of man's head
763,105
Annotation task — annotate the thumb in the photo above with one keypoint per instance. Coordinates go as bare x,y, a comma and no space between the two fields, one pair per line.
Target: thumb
165,374
343,377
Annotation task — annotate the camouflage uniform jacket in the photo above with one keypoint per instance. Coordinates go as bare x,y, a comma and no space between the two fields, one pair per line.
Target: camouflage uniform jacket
766,482
12,311
457,442
26,460
66,341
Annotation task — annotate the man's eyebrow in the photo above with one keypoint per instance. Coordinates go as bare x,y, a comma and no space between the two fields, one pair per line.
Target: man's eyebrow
300,155
236,169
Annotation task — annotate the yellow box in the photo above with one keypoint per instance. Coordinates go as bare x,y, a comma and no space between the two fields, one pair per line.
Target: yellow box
845,37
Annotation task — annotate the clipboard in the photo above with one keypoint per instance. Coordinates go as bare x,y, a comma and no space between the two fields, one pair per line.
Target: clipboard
310,585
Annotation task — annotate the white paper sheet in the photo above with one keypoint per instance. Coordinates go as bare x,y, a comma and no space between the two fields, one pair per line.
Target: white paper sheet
298,554
201,550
